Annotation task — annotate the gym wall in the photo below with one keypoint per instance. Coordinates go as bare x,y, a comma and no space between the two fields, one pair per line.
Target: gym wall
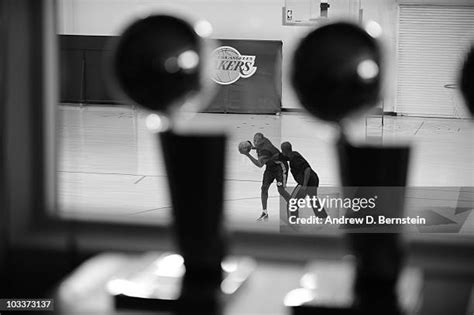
84,75
245,19
432,46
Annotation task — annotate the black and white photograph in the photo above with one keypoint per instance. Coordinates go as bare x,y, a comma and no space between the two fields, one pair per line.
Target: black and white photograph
237,157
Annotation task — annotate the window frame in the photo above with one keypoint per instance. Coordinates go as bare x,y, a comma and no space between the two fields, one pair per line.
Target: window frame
30,167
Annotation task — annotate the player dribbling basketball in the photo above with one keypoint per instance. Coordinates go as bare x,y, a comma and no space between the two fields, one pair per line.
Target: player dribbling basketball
276,168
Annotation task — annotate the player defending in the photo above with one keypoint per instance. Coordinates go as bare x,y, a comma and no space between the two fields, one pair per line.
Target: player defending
307,179
276,168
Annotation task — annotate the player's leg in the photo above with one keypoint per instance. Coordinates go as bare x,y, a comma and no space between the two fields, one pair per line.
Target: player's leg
318,210
266,182
312,191
295,195
281,176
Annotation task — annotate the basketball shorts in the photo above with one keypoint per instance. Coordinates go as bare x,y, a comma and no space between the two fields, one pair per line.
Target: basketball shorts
278,172
313,179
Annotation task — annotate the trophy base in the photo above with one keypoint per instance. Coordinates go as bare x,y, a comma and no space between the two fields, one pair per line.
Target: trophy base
154,282
327,288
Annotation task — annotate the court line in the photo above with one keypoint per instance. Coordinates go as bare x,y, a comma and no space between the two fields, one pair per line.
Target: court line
423,188
95,173
169,207
250,198
140,179
422,123
149,210
437,199
138,175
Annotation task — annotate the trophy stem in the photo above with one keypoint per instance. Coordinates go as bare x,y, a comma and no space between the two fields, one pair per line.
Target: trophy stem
379,256
195,167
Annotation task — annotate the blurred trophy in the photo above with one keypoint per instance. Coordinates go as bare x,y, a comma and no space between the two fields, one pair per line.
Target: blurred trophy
161,63
467,80
337,75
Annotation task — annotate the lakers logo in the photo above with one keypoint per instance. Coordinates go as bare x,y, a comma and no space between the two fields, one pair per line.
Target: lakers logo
230,65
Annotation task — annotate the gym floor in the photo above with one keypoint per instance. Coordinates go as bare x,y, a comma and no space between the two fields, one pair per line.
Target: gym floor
110,166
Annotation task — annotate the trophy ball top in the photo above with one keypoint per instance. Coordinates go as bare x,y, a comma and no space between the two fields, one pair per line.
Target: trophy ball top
157,62
337,70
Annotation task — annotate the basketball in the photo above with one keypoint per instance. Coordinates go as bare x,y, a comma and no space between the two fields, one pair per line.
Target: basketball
245,147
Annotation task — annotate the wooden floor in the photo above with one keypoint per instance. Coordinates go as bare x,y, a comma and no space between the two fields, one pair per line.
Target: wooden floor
110,165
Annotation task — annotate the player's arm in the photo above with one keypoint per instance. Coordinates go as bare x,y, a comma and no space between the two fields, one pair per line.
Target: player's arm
307,174
260,162
252,147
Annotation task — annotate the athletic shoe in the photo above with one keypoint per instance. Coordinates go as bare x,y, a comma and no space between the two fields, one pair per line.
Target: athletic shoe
263,217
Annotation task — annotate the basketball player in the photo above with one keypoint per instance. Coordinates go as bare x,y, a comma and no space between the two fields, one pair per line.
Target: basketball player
276,168
304,175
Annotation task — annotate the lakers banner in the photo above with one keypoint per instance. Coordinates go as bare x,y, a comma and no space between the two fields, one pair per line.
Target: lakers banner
230,65
248,75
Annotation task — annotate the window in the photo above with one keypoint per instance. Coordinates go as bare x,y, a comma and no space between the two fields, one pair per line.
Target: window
127,174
